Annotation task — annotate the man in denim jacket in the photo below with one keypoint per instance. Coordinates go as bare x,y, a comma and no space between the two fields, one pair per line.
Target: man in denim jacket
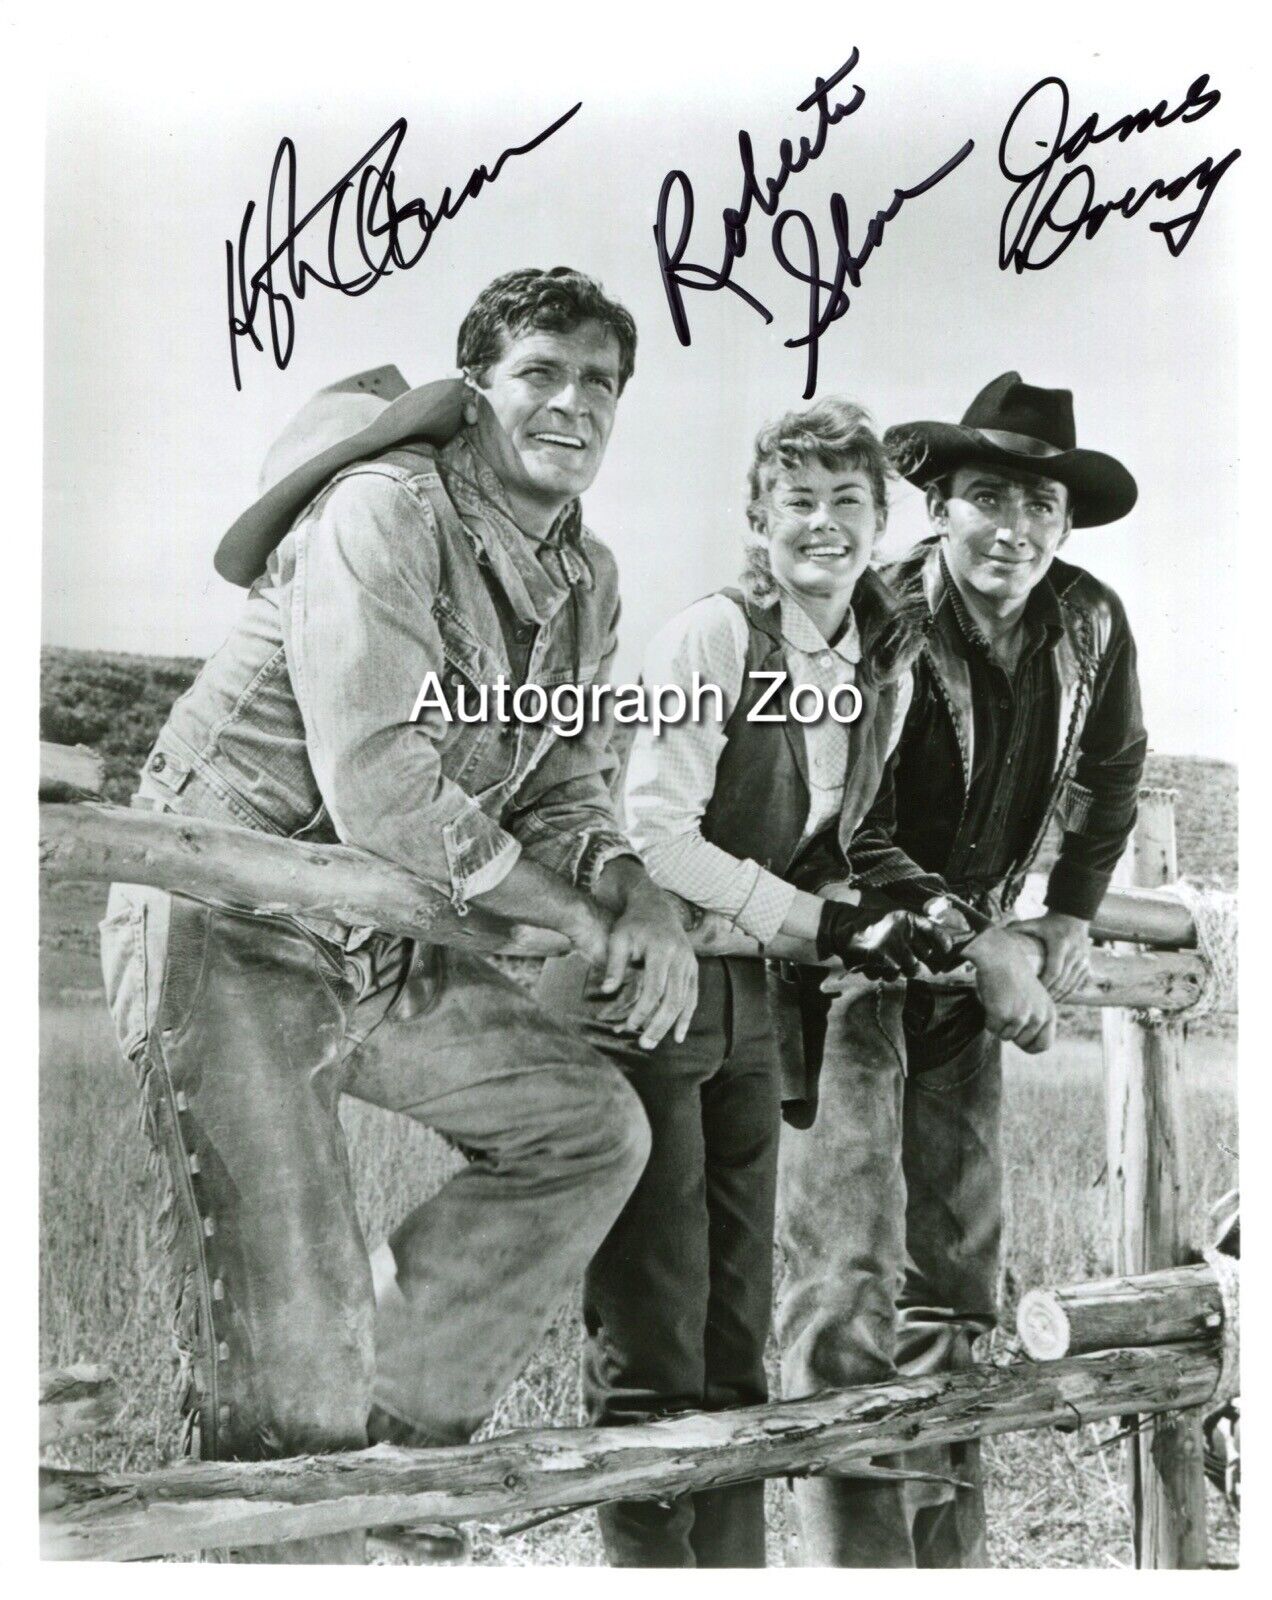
464,561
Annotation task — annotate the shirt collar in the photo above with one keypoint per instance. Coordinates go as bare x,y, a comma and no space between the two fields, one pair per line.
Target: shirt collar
802,633
536,574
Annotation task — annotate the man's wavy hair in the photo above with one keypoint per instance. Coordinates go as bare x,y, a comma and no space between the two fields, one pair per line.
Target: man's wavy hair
556,300
837,434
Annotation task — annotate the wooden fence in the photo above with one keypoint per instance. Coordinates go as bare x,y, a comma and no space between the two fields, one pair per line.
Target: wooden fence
192,1506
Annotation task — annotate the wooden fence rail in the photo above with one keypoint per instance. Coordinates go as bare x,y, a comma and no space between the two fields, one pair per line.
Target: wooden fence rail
192,1506
238,867
1169,1307
189,1507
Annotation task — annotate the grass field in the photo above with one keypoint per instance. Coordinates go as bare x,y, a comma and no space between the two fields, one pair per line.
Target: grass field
1055,1500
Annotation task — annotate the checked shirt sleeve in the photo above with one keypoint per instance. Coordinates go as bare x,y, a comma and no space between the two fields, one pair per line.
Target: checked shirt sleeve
671,776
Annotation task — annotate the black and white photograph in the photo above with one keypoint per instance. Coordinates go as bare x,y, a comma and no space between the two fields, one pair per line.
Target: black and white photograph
638,660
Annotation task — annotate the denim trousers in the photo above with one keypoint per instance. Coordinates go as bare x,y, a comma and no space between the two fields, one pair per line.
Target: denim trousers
244,1032
889,1231
678,1299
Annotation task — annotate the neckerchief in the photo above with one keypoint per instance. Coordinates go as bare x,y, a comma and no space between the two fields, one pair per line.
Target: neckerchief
536,574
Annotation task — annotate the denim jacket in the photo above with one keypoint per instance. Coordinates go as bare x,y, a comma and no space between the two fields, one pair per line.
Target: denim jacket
300,725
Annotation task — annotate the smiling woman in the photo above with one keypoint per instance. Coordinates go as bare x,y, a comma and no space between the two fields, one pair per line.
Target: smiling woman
817,508
811,667
820,524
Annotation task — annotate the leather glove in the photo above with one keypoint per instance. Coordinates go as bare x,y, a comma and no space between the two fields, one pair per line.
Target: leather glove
886,946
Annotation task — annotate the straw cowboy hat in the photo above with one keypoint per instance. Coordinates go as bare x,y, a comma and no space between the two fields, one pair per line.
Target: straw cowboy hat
350,421
1012,424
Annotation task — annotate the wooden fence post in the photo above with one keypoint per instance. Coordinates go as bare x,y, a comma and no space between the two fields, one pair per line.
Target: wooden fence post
1148,1200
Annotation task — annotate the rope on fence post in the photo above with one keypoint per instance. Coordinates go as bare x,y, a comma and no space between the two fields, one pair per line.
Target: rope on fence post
1227,1271
1214,915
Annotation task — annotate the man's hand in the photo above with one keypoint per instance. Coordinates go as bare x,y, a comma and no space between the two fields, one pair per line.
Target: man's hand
1017,1007
648,933
587,928
530,893
1067,942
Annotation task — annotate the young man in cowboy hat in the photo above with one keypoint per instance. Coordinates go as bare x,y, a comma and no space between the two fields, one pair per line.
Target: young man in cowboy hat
376,558
1026,708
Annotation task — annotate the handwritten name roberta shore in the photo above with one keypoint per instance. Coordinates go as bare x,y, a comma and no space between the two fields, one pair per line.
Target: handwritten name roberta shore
570,707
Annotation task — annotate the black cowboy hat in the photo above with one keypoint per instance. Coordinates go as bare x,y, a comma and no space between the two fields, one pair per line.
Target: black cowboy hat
1012,424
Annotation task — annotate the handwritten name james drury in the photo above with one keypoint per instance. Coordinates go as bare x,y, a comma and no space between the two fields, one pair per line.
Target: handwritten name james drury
1053,201
570,707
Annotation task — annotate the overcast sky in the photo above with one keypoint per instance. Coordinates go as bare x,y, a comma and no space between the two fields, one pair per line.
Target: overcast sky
151,452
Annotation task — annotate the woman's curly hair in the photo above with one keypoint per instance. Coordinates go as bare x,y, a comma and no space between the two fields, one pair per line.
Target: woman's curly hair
834,432
837,433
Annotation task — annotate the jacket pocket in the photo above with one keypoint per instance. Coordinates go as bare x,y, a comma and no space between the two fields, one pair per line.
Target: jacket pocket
478,755
567,672
175,779
1074,807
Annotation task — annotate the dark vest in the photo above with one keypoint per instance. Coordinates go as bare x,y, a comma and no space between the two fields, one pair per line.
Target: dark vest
759,807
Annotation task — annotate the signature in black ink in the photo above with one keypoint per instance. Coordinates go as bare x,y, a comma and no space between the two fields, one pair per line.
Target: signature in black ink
679,274
675,274
848,263
1041,221
388,236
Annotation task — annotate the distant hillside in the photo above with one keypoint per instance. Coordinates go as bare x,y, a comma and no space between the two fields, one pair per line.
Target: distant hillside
117,703
1205,815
